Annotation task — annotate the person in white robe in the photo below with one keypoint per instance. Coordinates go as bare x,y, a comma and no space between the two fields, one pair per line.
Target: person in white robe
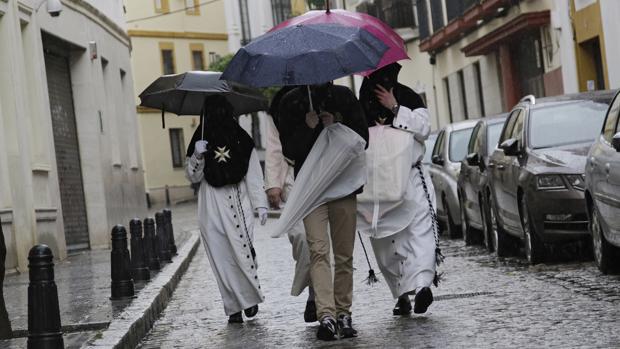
396,209
226,165
279,180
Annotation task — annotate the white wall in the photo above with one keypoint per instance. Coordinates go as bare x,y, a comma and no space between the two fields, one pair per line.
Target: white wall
610,12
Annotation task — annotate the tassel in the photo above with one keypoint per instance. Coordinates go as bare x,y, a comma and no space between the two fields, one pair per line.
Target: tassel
372,278
439,257
437,279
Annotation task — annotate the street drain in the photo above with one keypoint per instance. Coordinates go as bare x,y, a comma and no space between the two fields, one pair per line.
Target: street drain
445,297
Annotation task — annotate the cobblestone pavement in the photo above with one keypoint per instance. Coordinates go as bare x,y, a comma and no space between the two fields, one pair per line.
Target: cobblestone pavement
482,303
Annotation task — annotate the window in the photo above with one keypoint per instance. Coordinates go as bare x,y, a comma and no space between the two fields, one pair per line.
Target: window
474,141
510,123
478,78
177,145
493,133
281,10
192,7
612,120
162,6
213,57
246,34
458,144
446,85
438,149
423,23
198,61
399,13
167,58
461,80
517,132
437,14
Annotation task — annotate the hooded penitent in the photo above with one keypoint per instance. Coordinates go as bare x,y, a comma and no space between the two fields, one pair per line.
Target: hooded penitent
229,146
388,78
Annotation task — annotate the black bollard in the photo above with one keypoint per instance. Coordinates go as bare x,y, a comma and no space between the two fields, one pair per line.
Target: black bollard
44,329
170,231
139,270
162,239
150,245
122,284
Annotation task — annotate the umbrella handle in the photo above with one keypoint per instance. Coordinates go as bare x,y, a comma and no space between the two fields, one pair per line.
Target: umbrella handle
310,98
202,125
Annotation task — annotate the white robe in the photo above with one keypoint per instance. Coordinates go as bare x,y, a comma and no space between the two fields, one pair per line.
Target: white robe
400,226
226,220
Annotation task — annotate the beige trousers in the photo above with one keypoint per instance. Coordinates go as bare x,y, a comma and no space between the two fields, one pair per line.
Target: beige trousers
333,296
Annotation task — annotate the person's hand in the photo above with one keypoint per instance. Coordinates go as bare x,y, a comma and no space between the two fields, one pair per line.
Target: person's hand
262,215
274,195
312,119
385,97
200,148
326,118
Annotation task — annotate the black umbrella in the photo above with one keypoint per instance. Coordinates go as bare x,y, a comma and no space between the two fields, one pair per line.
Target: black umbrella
305,54
184,94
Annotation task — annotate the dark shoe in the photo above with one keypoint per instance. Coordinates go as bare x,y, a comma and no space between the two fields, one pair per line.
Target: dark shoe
310,312
251,311
344,327
423,300
403,306
235,318
327,329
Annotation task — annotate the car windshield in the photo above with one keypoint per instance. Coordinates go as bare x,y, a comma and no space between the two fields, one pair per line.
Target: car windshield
564,124
458,144
429,144
493,136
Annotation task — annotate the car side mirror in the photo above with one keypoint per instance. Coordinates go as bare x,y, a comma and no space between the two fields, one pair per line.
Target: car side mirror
615,142
437,160
510,147
473,159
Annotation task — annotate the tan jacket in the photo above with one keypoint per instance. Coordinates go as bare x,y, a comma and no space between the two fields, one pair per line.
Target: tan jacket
276,167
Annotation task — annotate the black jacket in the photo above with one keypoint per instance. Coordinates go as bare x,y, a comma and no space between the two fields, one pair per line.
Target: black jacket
297,138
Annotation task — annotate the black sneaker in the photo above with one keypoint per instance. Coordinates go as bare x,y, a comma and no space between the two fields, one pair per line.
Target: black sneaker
344,327
403,306
327,329
251,311
423,300
235,318
310,312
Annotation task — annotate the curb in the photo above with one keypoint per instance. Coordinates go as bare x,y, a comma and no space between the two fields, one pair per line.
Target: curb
130,326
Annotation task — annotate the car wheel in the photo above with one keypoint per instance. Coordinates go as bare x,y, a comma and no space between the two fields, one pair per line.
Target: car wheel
465,228
603,251
534,247
486,227
451,228
499,240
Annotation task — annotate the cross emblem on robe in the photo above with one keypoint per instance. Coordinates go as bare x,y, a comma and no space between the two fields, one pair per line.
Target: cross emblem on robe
222,154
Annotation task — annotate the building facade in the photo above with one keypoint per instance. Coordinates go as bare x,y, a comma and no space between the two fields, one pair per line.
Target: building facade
70,165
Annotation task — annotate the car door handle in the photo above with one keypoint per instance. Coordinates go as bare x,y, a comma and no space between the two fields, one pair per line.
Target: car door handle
607,168
491,165
501,167
592,162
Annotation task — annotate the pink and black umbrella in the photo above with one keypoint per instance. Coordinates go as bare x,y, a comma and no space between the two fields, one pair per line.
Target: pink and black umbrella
396,46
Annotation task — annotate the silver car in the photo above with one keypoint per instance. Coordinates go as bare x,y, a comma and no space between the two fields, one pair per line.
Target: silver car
449,150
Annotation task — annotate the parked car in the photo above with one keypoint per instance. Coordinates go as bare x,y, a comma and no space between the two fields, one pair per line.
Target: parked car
537,172
449,150
429,143
473,180
603,192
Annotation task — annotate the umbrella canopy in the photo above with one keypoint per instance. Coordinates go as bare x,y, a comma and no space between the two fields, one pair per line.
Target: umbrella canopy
184,94
305,54
396,46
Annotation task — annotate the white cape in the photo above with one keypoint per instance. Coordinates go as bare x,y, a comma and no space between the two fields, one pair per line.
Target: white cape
335,168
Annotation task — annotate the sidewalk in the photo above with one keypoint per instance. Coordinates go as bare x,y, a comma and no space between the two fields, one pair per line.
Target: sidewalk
83,282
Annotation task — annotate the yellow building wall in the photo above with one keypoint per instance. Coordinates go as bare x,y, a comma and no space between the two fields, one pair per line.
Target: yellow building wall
181,31
588,25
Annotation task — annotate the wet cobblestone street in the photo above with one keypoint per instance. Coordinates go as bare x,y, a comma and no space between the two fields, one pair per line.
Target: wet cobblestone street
482,303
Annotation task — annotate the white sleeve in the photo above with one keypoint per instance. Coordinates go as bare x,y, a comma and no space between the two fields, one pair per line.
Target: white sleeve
255,183
415,121
194,169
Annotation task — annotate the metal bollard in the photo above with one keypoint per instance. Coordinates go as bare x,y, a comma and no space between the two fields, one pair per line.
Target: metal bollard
122,284
150,245
162,239
170,230
44,329
139,270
